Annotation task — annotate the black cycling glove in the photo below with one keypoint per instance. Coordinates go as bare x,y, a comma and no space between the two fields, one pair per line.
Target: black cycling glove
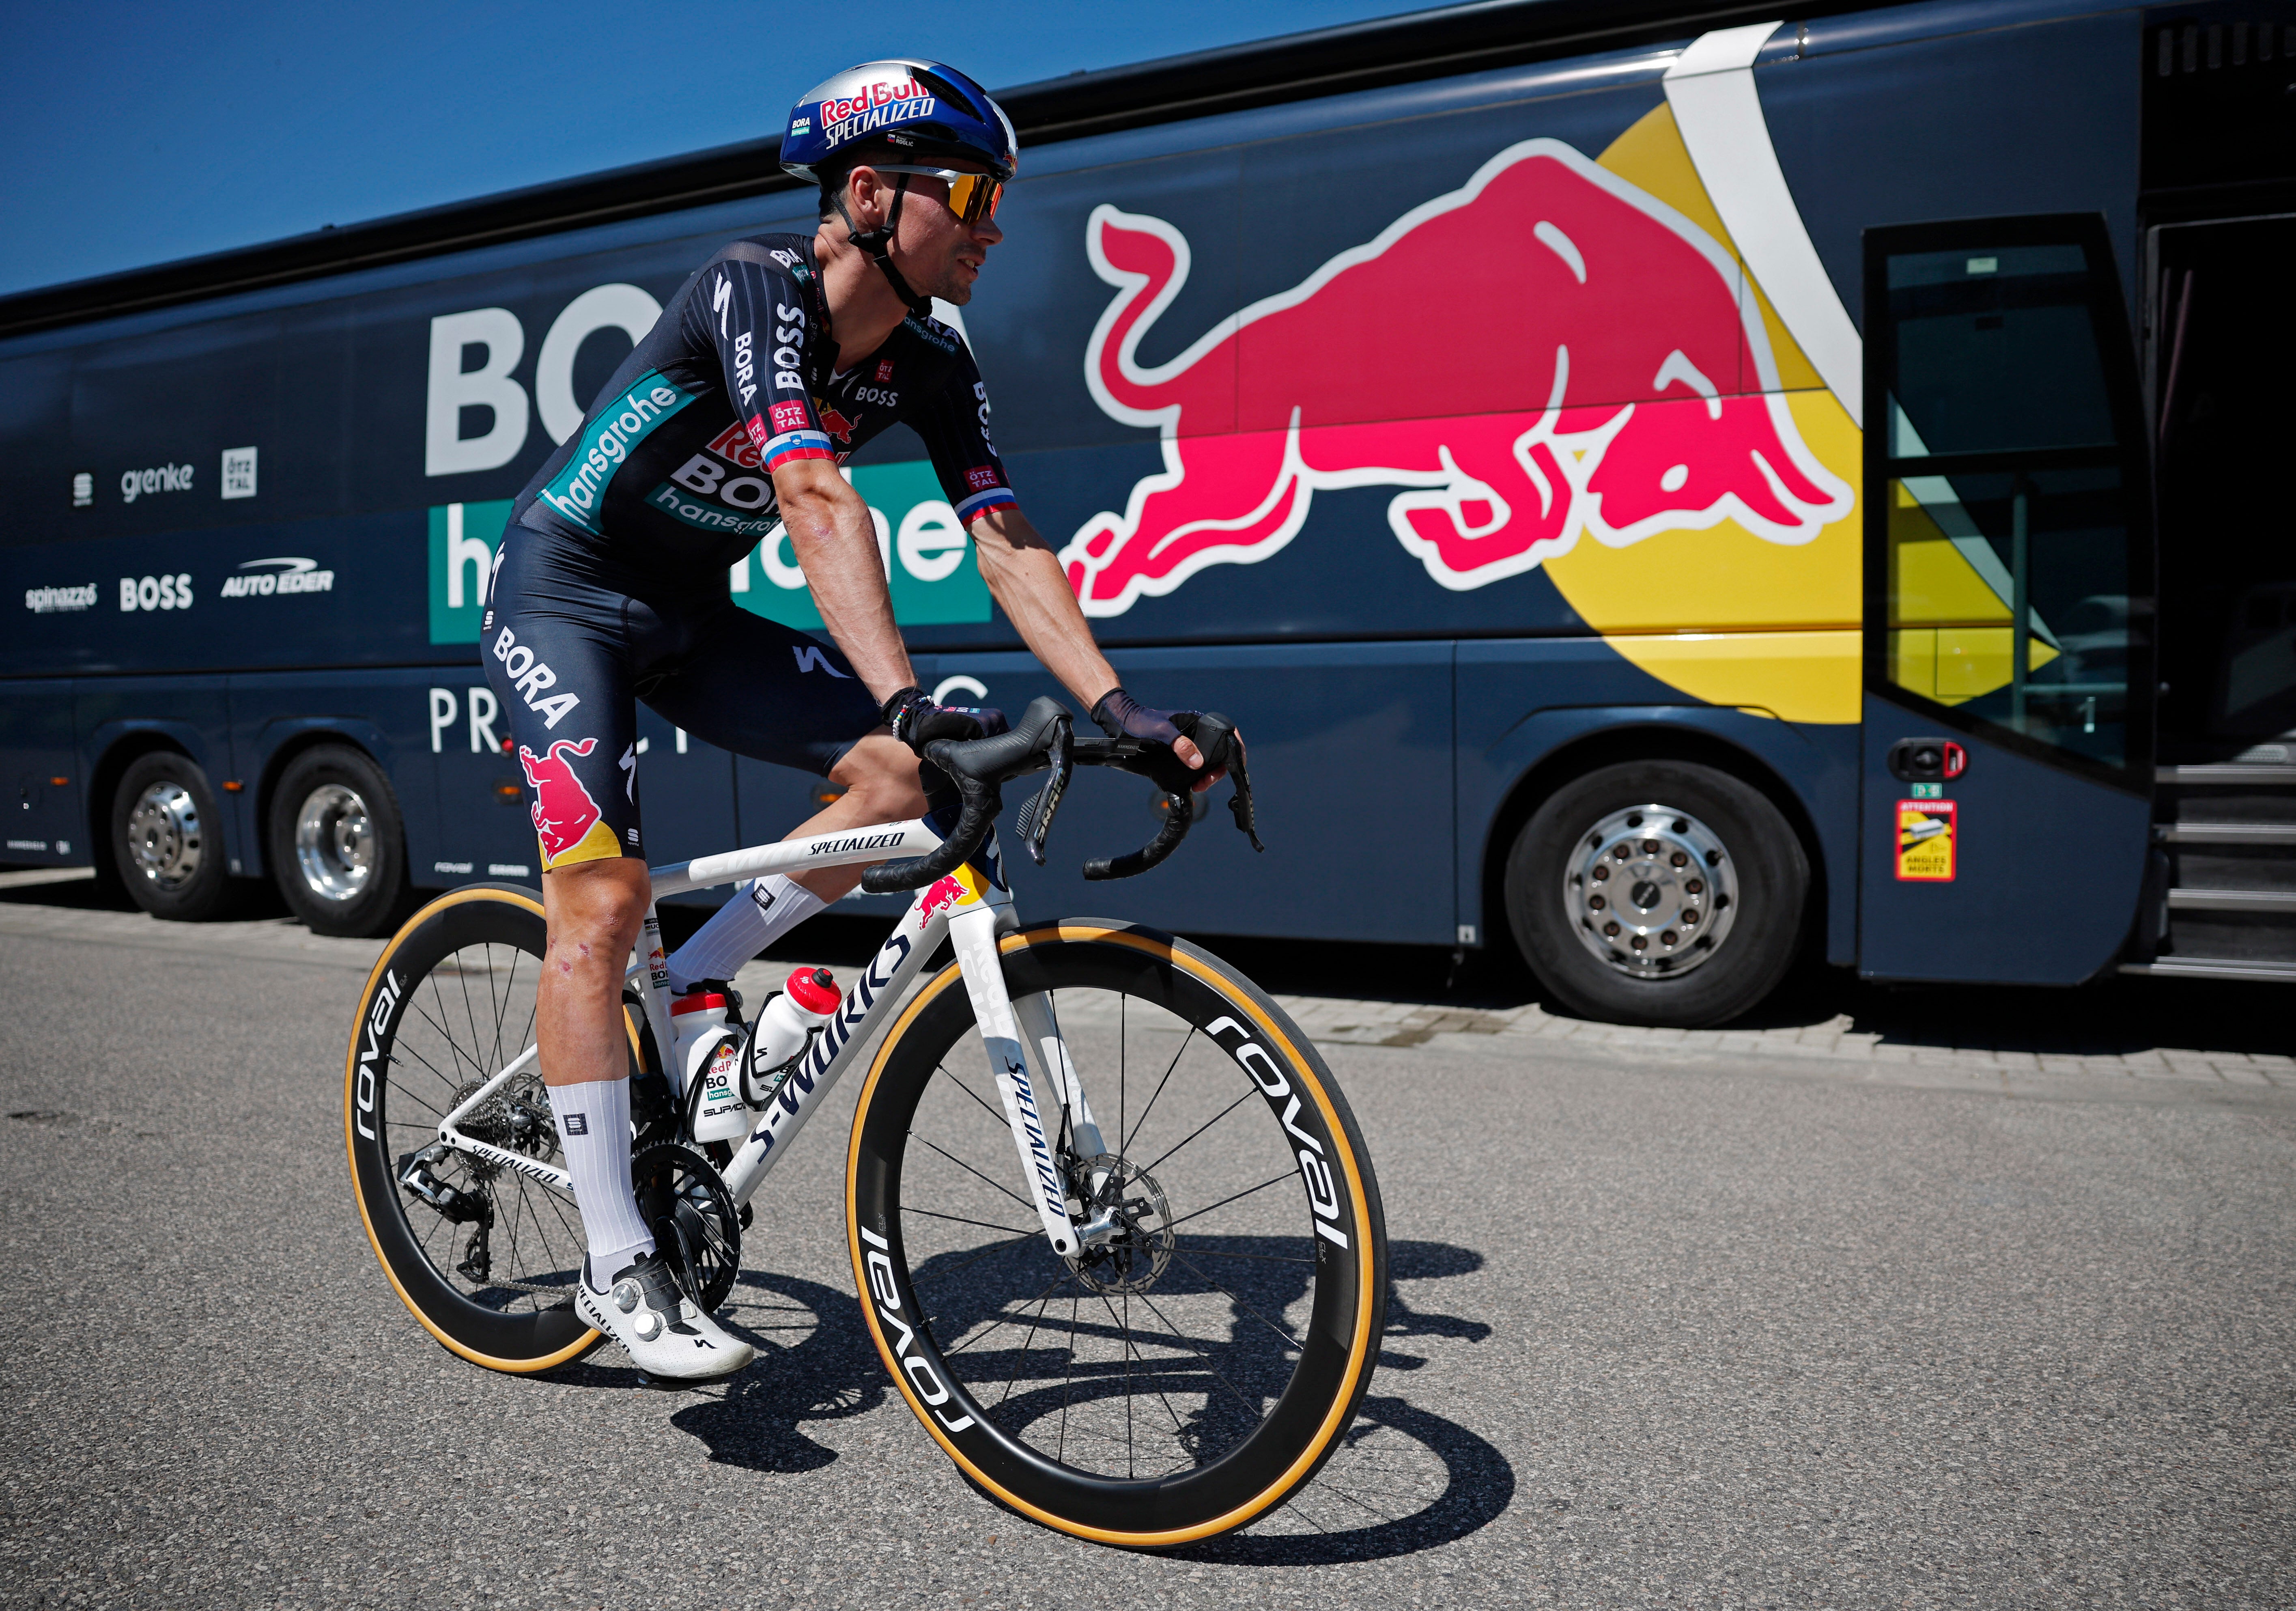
916,720
1121,715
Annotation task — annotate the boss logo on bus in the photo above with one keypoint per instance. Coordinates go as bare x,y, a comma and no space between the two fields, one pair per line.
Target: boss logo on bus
1252,1058
377,1025
886,1294
156,592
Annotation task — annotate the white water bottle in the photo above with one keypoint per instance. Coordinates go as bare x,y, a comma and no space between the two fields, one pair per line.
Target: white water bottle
808,1000
708,1065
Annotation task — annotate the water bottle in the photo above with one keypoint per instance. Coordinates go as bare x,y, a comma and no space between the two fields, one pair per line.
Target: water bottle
707,1065
808,999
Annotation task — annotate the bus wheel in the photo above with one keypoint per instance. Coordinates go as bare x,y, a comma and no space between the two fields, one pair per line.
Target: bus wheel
167,838
1657,891
337,848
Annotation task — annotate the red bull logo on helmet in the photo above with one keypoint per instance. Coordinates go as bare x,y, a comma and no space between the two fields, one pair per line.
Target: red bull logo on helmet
1611,377
567,821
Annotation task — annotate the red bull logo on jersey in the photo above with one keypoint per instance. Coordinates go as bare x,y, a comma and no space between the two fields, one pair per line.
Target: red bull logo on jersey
1611,378
567,820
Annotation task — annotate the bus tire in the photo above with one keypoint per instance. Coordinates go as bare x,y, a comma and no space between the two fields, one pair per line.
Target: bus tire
1712,881
167,838
337,846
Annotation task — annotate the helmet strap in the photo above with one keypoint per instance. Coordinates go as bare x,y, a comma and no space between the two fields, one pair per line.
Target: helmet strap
876,244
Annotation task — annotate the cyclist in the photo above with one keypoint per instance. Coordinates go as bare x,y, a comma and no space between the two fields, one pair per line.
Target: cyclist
779,357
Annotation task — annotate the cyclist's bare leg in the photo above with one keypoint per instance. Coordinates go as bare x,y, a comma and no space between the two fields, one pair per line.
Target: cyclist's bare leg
593,911
880,775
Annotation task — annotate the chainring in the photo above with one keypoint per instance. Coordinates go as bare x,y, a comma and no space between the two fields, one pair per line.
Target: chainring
695,1223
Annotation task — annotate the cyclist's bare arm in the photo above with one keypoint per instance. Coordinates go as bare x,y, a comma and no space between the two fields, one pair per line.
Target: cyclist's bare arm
1025,577
836,546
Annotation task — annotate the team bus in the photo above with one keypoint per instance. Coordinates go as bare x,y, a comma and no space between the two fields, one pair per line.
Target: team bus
1660,485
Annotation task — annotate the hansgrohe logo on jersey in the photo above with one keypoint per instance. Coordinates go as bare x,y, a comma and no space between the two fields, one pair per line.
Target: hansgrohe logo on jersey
607,440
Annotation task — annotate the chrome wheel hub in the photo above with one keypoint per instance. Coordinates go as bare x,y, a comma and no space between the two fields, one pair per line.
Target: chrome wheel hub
163,834
334,842
1651,891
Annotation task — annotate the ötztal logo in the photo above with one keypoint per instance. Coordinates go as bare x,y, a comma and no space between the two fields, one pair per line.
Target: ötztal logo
266,576
734,445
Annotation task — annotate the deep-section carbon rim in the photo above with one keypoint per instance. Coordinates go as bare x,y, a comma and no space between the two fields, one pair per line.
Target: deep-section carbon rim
1124,1402
450,1002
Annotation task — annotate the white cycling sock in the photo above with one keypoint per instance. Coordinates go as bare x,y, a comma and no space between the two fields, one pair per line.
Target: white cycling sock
593,1128
761,912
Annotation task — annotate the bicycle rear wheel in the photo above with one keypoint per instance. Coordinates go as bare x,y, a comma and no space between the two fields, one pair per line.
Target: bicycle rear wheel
1195,1372
490,1273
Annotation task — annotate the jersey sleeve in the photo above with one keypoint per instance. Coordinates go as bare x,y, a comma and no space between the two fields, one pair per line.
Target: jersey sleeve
758,323
954,428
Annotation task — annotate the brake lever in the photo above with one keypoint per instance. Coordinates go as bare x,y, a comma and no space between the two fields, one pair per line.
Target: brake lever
1215,735
1035,822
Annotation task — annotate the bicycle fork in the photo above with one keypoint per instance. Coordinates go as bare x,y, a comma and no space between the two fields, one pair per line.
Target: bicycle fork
1007,1030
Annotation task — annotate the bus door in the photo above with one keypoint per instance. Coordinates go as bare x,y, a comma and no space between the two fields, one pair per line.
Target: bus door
2009,686
2225,820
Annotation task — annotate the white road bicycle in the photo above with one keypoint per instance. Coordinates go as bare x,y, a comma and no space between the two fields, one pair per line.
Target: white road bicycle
1112,1226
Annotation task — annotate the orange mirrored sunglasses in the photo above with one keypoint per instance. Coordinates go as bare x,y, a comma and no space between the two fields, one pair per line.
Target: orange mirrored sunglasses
972,197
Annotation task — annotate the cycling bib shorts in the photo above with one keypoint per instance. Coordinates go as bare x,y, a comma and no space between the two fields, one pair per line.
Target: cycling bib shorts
611,585
572,641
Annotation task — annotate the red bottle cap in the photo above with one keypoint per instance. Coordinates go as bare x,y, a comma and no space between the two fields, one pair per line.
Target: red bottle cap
697,1002
814,989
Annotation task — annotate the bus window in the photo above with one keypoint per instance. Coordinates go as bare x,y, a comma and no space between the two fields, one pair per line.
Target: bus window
2009,558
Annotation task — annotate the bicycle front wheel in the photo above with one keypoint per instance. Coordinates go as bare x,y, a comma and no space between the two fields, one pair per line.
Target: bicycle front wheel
1192,1372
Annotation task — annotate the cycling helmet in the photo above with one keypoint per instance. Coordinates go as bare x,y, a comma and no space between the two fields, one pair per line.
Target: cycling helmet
920,109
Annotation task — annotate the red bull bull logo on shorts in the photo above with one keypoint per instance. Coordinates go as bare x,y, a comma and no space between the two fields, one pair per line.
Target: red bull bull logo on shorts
567,821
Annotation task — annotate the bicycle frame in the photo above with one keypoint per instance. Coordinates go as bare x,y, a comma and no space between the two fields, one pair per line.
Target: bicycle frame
972,906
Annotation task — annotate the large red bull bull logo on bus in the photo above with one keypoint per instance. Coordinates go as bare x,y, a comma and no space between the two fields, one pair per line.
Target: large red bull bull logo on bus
1602,370
567,820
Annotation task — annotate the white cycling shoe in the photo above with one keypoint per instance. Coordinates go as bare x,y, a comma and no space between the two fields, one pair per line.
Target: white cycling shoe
664,1334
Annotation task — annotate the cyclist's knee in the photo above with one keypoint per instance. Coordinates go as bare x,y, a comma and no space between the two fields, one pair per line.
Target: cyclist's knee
880,775
595,909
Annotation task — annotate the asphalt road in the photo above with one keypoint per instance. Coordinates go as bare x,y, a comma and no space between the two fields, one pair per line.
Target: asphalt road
1670,1327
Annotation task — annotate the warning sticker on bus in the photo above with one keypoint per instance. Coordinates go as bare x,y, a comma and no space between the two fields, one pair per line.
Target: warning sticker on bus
1925,836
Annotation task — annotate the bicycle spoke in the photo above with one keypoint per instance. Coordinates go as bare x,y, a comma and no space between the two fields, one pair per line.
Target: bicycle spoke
1123,1003
943,1069
1239,1303
1224,1202
1132,1352
1265,1258
968,1168
1185,1341
984,1224
1007,1319
984,1253
1168,1077
1206,1125
1013,1375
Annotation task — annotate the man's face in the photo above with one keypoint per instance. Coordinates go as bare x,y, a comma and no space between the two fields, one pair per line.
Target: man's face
937,253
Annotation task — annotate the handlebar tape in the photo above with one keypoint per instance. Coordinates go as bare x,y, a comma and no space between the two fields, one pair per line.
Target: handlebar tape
976,765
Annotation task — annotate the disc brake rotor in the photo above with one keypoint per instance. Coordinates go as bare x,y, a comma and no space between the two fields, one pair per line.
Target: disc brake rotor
1127,1226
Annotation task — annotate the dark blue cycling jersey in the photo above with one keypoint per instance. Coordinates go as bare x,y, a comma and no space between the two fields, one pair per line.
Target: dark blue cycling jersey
612,584
673,465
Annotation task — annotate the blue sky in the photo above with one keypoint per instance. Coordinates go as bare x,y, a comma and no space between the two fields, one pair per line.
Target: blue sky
142,132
